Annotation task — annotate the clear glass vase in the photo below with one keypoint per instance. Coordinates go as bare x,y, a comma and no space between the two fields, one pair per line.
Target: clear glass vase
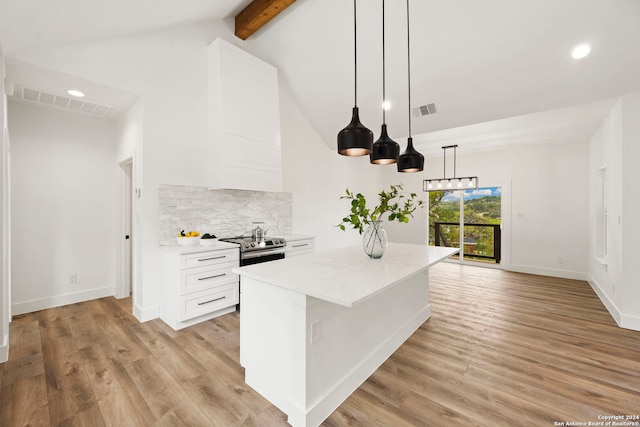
375,240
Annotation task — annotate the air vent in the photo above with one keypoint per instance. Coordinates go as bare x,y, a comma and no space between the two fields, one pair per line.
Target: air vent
425,110
35,95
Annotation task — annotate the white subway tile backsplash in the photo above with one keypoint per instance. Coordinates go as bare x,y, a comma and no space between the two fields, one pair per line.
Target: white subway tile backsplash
224,213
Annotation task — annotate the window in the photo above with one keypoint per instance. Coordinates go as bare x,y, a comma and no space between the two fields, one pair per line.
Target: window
470,219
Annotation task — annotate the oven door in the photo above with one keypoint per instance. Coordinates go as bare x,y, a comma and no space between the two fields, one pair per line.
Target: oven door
256,257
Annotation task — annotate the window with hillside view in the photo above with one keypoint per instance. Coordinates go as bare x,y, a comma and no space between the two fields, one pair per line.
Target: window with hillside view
470,218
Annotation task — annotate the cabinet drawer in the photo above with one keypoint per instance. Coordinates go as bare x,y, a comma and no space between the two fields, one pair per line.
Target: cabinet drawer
210,258
206,277
299,248
204,302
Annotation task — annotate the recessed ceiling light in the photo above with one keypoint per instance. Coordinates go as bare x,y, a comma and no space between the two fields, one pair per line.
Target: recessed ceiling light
580,51
74,92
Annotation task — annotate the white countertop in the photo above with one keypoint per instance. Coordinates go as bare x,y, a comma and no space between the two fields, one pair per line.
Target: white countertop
293,237
184,250
346,276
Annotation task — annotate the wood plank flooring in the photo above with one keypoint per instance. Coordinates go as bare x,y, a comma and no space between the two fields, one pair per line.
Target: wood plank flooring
501,349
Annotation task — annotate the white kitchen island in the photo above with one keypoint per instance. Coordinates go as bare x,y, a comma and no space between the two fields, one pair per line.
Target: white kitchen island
313,328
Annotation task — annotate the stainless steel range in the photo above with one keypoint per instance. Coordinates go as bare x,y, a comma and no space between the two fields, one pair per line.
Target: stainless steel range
254,250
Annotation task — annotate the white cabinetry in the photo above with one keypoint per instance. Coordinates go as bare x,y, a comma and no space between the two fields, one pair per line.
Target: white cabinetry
198,286
299,246
243,121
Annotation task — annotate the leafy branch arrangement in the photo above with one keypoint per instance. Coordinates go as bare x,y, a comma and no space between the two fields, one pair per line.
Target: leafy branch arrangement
398,205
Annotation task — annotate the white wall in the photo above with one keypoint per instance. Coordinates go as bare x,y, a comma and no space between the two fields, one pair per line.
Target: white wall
63,207
317,176
545,198
615,276
606,152
5,264
630,222
129,140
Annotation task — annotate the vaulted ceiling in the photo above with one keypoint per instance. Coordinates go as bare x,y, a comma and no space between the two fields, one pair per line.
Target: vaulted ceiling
499,71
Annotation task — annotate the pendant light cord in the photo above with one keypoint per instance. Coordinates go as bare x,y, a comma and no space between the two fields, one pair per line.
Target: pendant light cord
384,78
355,57
409,68
444,162
454,161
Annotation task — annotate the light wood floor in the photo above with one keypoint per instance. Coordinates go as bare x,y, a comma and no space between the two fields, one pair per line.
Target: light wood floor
501,349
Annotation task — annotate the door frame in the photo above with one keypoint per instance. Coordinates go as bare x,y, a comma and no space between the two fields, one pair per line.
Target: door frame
505,226
125,279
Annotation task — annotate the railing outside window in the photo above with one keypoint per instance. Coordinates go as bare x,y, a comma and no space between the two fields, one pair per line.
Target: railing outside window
481,241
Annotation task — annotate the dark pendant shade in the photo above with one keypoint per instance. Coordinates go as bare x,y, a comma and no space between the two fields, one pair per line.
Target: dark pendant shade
355,139
385,150
410,160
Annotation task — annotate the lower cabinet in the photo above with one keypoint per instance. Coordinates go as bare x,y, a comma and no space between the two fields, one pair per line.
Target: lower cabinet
198,286
299,247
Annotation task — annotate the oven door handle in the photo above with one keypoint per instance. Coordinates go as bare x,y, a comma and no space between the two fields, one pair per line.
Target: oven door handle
264,252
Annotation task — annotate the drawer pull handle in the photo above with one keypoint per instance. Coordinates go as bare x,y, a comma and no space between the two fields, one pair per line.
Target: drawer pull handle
212,277
215,257
213,300
299,246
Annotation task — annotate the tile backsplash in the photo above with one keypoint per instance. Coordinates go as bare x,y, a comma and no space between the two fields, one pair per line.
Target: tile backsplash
224,213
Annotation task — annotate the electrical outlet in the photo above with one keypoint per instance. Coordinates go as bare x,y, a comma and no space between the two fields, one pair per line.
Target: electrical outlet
73,279
315,331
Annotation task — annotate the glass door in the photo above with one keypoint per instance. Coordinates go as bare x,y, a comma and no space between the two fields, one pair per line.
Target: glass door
470,219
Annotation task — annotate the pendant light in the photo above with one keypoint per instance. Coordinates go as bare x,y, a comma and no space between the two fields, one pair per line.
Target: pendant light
355,139
455,183
410,160
385,150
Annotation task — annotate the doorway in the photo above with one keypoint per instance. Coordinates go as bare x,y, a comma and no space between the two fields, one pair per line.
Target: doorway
468,219
125,257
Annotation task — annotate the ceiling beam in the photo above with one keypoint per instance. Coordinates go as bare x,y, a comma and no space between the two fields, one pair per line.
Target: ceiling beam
257,14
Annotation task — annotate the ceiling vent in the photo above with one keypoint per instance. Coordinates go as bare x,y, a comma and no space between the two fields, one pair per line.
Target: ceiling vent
425,110
34,95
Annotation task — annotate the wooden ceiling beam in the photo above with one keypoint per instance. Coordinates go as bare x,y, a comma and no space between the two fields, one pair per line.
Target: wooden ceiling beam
257,14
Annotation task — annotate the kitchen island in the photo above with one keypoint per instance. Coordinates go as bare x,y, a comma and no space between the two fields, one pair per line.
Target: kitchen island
314,328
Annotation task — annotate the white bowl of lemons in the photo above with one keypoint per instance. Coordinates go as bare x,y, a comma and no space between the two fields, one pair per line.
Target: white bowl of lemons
189,238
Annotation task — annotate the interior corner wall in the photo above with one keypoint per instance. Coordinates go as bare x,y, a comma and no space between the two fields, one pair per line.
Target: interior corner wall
545,220
63,207
605,153
5,276
614,146
629,285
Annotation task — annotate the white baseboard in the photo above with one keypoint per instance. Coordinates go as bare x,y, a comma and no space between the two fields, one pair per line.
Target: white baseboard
552,272
4,349
630,322
60,300
623,320
608,303
146,314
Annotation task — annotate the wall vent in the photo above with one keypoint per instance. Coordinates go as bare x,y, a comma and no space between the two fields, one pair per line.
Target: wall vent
425,110
35,95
